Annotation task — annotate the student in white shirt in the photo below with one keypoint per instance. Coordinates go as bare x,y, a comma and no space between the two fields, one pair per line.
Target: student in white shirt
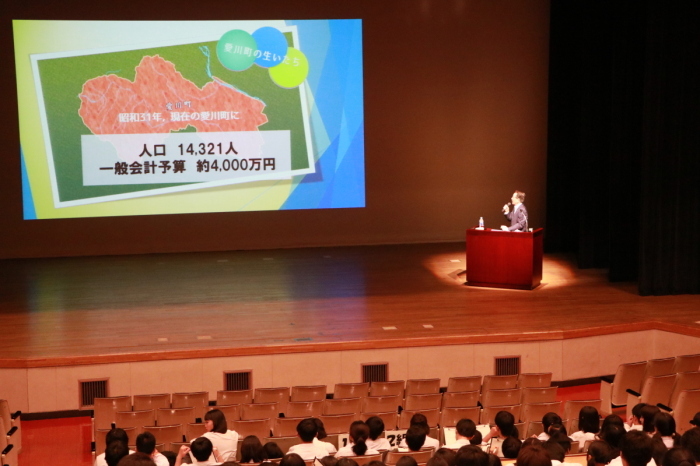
332,450
421,421
200,450
307,449
225,441
636,449
555,451
589,426
359,434
376,428
252,450
548,420
665,428
465,431
112,436
146,443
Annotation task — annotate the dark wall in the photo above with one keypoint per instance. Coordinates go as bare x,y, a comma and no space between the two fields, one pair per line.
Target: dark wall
455,121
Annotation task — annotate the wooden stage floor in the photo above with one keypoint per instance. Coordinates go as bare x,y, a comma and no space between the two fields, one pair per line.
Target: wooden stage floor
68,311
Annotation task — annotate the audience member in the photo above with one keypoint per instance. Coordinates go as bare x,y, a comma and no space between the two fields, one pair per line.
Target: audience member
146,443
115,451
465,431
137,459
376,428
635,420
407,461
555,451
588,424
112,435
328,460
548,420
533,455
252,450
347,462
375,463
170,455
359,434
436,461
678,457
421,421
292,459
636,449
665,429
494,460
478,439
528,442
307,450
320,435
200,450
511,448
648,413
601,453
273,451
505,427
690,440
471,455
562,439
225,441
447,455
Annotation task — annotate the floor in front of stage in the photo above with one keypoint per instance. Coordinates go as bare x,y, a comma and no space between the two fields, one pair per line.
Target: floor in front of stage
130,308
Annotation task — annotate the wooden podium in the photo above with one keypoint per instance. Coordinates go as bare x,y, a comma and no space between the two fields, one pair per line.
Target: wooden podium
504,259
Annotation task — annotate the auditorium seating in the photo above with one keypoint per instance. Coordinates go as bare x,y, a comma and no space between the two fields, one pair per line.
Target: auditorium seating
460,399
535,380
498,382
684,381
390,419
687,363
197,400
234,397
422,386
380,404
279,395
464,384
12,422
394,387
392,457
351,390
175,416
342,406
500,397
538,395
614,392
426,401
145,402
655,389
308,393
304,408
137,419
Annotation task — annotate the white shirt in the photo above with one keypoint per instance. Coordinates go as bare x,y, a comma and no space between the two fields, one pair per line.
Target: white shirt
581,437
226,444
100,460
308,451
327,445
347,451
429,443
458,444
379,444
618,462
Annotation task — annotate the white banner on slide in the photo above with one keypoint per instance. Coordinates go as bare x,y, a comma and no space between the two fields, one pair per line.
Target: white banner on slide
152,158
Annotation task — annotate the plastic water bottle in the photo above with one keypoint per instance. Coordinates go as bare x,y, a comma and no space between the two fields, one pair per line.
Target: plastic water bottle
481,223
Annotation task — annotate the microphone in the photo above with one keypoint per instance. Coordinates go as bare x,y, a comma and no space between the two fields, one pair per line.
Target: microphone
507,206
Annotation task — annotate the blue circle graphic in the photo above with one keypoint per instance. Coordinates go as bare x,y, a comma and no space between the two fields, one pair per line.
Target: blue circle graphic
272,47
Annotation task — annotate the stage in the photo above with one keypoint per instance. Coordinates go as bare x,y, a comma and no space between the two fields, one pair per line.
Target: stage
351,302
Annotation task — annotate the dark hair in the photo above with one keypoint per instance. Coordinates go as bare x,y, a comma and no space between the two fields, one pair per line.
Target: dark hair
137,459
478,439
648,413
252,450
407,461
217,417
511,447
589,420
612,434
555,429
116,434
292,459
307,430
612,419
359,433
201,448
421,421
554,450
321,434
346,462
690,440
506,424
415,437
329,461
678,457
636,448
550,419
563,440
273,451
446,454
171,456
658,449
376,427
665,425
373,463
146,443
436,461
533,455
471,455
466,428
528,442
494,460
115,451
600,452
637,410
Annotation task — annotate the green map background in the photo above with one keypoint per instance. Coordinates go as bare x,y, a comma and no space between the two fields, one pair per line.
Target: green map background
62,80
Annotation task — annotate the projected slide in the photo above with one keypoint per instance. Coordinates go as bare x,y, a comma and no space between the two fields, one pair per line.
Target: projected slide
144,118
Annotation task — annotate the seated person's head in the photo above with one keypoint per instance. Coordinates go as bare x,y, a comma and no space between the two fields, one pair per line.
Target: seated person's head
550,419
664,424
636,448
407,461
415,437
600,452
471,455
555,429
436,461
273,451
530,442
511,447
376,463
554,450
321,428
637,413
292,459
466,428
612,419
505,421
252,450
201,448
137,459
494,460
329,461
478,439
563,440
678,457
115,451
612,434
146,443
589,420
116,434
346,462
533,455
446,454
376,427
307,430
648,413
690,440
215,421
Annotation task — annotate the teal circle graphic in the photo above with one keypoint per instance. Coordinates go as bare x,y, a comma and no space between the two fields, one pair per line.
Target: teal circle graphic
236,50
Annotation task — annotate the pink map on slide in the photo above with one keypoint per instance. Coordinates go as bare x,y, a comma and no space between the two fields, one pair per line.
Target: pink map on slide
160,94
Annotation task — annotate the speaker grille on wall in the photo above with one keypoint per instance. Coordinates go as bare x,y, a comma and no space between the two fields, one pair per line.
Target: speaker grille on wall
509,365
237,380
91,389
375,372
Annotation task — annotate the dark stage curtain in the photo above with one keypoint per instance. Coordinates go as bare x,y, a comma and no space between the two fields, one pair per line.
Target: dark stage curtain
624,140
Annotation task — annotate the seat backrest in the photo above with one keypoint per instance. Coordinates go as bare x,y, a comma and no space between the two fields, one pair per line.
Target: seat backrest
286,426
535,411
279,395
257,427
101,438
501,397
194,430
105,410
422,386
254,411
538,395
143,402
498,382
432,415
198,400
172,416
628,376
687,363
658,389
688,404
234,397
136,419
304,408
231,412
416,402
390,419
684,381
659,367
449,417
166,434
394,387
342,406
488,413
351,390
572,408
536,380
460,399
464,384
338,424
308,393
392,457
381,404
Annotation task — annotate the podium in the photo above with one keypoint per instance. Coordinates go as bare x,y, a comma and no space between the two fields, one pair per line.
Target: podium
504,259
